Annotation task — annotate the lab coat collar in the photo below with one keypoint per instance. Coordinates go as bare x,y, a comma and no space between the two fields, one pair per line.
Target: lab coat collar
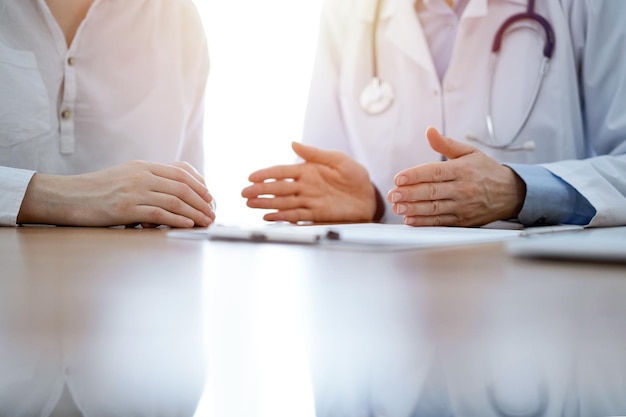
366,9
478,8
405,32
474,8
404,29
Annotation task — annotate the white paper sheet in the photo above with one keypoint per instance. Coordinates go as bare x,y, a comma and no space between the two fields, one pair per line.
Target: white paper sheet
365,235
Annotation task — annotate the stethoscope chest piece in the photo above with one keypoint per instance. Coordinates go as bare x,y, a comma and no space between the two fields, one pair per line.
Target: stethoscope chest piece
376,97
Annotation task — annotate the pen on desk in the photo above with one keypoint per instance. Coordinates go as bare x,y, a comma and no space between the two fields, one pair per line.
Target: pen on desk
283,237
332,235
276,236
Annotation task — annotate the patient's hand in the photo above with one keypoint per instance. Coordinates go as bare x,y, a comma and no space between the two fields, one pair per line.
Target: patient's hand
135,192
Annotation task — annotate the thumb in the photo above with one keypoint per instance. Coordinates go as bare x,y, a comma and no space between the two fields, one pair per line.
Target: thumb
316,155
449,148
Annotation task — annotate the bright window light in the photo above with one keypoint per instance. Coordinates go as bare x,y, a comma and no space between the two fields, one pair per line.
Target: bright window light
261,61
261,57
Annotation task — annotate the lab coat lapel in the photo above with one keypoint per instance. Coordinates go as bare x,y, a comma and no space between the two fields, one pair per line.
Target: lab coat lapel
475,8
478,8
405,32
403,28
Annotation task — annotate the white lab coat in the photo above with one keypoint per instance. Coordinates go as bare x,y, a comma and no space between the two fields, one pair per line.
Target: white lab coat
578,123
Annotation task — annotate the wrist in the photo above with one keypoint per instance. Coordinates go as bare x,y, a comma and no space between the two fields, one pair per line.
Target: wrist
42,203
30,208
518,194
379,211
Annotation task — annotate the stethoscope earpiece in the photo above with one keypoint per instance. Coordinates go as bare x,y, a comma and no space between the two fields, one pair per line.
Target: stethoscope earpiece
528,146
470,136
376,97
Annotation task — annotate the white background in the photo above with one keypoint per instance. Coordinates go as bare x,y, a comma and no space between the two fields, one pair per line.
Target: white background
261,56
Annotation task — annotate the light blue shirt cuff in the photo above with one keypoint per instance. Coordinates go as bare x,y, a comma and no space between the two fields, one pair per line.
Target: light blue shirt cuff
549,199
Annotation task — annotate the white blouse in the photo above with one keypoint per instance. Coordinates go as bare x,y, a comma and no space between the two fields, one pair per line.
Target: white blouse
130,86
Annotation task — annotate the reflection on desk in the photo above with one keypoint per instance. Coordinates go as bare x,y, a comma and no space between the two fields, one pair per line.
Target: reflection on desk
116,322
301,331
469,333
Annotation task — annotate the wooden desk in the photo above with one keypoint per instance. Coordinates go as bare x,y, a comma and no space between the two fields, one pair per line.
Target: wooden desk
121,315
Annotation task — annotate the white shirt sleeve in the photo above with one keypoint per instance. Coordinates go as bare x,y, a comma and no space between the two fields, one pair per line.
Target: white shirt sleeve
13,184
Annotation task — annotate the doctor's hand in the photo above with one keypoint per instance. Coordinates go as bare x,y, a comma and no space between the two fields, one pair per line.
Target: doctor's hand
327,187
469,189
136,192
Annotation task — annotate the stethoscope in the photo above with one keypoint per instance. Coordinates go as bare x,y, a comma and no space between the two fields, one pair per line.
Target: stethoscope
378,95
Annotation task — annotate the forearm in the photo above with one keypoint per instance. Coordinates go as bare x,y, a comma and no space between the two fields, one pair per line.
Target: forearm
44,202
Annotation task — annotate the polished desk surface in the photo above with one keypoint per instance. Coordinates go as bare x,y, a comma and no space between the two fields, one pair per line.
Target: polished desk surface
136,323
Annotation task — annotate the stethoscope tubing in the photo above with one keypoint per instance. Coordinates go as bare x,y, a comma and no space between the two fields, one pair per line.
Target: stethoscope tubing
543,70
548,50
374,45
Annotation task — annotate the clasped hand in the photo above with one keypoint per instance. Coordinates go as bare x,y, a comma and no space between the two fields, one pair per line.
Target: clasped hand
136,192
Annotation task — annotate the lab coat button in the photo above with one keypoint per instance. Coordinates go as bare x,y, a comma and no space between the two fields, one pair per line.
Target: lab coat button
70,61
66,114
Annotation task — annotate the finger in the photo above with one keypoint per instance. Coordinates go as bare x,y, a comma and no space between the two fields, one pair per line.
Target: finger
426,191
317,155
281,203
427,173
449,148
426,208
194,173
279,172
157,215
275,188
441,220
190,169
173,204
180,192
181,175
184,192
186,195
291,216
